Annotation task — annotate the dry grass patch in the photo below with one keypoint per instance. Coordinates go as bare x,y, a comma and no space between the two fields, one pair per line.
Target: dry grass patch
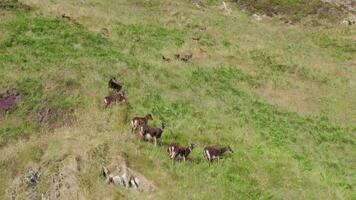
278,154
293,100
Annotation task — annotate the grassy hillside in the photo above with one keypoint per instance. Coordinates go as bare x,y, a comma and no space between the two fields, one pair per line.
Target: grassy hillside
281,96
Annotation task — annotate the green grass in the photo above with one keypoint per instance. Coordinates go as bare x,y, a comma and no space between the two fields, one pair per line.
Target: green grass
280,151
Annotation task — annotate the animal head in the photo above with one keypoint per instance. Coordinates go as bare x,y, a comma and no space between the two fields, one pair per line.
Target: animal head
149,116
228,149
113,78
191,146
122,92
163,125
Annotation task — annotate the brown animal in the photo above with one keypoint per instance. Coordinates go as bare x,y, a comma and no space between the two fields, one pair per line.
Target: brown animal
105,32
213,153
114,85
149,134
115,98
203,29
65,16
184,57
166,59
177,151
177,56
187,57
137,122
202,50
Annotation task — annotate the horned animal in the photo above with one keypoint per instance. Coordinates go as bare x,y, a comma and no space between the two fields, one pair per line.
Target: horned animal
149,134
166,59
137,122
113,84
65,16
115,98
176,151
187,57
213,153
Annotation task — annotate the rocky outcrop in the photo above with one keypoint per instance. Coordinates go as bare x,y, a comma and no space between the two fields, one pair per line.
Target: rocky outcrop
62,184
349,5
33,177
256,17
120,174
27,185
348,21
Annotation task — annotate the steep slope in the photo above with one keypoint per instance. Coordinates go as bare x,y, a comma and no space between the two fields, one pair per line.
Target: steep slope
281,96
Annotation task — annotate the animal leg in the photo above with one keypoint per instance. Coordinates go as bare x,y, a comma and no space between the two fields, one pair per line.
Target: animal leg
173,158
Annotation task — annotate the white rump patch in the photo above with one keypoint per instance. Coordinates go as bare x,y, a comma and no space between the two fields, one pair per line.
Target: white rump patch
148,137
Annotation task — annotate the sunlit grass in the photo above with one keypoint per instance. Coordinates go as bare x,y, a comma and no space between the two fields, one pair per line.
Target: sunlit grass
279,154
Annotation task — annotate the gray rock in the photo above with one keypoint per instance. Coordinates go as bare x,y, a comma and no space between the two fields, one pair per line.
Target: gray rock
121,175
348,21
118,180
32,177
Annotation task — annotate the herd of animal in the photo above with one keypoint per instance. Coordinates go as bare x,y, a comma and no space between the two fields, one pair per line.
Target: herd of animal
140,125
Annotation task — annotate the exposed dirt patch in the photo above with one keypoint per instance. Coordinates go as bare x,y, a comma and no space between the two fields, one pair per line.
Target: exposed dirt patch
289,99
9,100
54,117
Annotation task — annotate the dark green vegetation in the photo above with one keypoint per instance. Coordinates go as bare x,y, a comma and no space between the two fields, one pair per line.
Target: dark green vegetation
281,152
13,5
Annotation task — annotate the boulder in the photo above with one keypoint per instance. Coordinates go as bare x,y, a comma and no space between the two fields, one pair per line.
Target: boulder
348,21
33,177
121,175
